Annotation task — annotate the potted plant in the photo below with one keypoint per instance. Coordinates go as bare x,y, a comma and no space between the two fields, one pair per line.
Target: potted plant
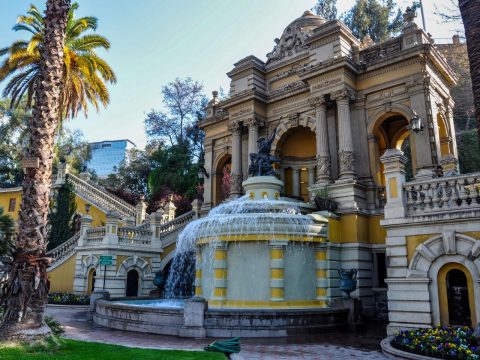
323,201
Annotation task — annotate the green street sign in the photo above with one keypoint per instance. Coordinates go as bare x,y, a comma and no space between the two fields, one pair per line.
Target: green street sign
106,260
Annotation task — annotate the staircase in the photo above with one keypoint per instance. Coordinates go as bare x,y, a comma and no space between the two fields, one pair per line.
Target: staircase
100,197
139,236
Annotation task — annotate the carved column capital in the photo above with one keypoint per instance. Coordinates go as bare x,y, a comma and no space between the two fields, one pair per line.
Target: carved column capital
234,126
318,102
253,121
342,96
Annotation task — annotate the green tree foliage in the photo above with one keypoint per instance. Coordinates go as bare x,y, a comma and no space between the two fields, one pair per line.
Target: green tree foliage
326,9
71,146
85,75
174,171
14,138
61,217
377,18
7,229
130,180
184,102
468,154
176,141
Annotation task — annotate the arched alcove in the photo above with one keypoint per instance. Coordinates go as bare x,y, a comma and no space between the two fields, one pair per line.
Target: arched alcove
223,163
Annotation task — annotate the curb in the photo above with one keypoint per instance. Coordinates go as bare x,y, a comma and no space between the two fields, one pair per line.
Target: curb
389,351
58,306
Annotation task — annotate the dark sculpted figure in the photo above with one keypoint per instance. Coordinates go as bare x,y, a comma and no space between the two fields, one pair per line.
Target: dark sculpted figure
262,161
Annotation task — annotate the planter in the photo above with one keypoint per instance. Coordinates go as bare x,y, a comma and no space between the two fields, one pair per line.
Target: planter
348,280
325,204
393,353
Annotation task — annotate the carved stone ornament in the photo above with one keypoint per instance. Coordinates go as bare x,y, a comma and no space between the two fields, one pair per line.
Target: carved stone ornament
323,167
342,95
236,184
234,126
346,160
253,121
317,101
293,120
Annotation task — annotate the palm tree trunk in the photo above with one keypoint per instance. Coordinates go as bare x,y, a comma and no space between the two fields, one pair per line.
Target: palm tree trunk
470,11
28,282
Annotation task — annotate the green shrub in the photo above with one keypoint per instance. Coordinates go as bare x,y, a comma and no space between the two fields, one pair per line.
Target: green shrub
68,299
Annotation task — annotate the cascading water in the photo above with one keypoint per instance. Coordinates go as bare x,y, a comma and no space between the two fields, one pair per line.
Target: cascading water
230,221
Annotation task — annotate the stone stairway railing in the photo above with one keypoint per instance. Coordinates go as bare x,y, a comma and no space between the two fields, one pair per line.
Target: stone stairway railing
64,250
443,194
101,197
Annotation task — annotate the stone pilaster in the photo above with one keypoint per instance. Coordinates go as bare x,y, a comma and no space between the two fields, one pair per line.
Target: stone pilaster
112,223
253,124
296,181
394,162
220,269
321,271
85,224
237,176
346,153
277,269
323,149
198,272
311,175
141,211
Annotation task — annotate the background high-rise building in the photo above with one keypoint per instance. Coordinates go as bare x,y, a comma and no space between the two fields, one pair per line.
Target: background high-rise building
108,154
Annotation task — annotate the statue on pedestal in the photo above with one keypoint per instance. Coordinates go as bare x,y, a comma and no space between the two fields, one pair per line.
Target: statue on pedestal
261,162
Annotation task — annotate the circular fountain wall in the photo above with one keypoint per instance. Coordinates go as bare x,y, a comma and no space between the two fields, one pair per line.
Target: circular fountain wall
260,270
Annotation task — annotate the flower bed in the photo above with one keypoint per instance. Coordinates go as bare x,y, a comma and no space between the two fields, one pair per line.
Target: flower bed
442,343
68,299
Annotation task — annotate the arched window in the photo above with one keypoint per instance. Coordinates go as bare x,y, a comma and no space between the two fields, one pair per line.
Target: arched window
132,283
458,299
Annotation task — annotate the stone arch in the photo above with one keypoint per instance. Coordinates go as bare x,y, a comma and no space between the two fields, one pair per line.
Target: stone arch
165,260
220,160
91,261
386,130
135,262
377,118
306,120
440,250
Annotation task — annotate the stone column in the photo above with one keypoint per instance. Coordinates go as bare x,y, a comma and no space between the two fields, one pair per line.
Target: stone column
237,177
311,175
277,269
321,271
346,154
394,170
207,179
253,124
296,181
323,149
112,222
170,209
141,210
282,175
63,169
220,269
198,271
85,224
156,220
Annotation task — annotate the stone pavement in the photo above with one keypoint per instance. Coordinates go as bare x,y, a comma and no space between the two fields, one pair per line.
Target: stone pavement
334,346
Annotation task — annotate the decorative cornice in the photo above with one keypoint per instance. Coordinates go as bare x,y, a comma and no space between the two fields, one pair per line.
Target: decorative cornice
318,102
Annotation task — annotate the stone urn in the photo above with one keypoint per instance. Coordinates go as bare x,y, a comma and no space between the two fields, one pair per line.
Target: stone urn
348,280
325,204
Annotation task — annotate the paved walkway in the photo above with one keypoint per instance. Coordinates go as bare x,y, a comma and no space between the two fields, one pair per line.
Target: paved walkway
324,346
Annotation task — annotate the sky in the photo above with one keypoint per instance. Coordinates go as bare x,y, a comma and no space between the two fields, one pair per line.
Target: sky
155,41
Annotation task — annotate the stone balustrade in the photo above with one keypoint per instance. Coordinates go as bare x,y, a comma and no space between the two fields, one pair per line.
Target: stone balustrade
100,196
64,250
134,236
445,194
176,223
95,235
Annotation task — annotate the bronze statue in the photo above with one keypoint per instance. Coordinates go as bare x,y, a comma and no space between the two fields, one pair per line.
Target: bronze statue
262,161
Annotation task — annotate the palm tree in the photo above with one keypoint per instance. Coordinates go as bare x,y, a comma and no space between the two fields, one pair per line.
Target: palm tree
27,288
7,227
85,73
470,11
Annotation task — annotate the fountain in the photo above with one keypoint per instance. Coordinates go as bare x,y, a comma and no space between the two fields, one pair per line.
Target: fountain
259,270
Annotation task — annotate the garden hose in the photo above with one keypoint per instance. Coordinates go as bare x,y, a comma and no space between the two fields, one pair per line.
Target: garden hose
229,346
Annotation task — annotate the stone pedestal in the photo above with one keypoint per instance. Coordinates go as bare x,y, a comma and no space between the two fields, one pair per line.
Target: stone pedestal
96,295
354,306
194,318
263,188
